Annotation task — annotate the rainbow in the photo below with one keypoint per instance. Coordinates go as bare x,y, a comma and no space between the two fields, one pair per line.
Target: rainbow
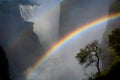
64,40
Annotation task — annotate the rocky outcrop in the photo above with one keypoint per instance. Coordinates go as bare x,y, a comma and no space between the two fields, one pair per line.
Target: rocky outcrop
67,24
112,74
4,66
18,39
112,24
76,13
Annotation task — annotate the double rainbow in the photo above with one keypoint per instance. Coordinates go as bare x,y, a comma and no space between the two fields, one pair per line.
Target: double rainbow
64,40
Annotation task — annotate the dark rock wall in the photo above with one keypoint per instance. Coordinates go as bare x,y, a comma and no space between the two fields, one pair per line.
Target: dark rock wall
76,13
4,66
112,24
20,43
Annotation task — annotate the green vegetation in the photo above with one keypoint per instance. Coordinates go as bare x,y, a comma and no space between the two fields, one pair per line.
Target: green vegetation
114,40
112,72
85,56
90,54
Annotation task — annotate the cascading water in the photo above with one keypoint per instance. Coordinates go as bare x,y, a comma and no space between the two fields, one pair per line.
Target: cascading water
26,12
46,21
46,25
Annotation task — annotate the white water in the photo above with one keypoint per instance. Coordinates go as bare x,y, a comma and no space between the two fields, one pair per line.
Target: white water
47,26
27,12
46,22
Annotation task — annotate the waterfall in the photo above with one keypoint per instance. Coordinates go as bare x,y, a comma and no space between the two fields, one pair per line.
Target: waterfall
27,12
46,23
47,26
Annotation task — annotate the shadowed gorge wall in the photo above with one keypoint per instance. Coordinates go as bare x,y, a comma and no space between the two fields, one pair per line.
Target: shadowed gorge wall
18,39
76,13
112,24
4,66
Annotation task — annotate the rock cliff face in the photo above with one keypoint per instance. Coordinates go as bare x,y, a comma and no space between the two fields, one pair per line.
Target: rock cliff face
112,24
68,10
4,72
76,13
17,38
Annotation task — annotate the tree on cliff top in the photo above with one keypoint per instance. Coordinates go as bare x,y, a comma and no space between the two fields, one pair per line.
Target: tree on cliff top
90,54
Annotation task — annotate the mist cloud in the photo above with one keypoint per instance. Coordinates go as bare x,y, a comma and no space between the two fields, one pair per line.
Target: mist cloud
63,65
